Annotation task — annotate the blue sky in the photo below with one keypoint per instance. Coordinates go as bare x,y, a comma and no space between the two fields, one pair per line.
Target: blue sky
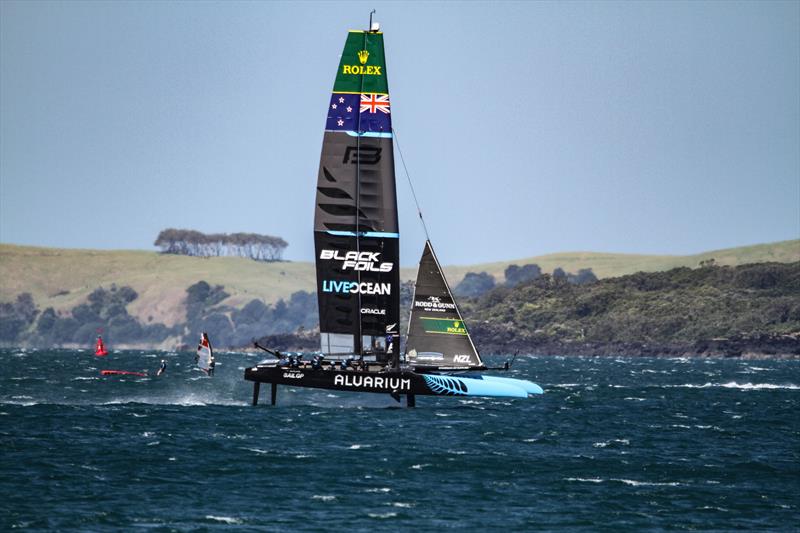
528,128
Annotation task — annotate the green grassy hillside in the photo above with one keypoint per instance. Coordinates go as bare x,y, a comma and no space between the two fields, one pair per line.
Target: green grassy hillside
63,278
610,265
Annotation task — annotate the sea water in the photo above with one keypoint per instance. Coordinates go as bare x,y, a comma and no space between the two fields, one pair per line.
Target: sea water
612,444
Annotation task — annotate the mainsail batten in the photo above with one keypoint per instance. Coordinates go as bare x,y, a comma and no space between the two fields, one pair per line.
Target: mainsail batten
355,224
437,334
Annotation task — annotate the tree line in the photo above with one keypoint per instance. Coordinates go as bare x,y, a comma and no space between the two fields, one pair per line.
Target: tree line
198,244
474,285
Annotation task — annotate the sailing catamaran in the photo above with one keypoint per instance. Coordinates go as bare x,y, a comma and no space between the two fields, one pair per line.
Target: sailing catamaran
356,238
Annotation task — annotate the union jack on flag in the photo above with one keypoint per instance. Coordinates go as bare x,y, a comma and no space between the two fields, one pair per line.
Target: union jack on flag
373,103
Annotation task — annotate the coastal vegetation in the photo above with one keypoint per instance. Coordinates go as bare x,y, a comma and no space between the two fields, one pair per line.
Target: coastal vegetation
23,323
57,297
197,244
474,285
683,311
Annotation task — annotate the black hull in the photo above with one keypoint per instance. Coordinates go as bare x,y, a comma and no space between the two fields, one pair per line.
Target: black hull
380,382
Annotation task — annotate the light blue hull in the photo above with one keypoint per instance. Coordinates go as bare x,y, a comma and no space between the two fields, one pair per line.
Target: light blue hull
528,386
463,386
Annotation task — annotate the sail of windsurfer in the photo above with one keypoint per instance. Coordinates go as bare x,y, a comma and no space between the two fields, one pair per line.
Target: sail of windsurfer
205,355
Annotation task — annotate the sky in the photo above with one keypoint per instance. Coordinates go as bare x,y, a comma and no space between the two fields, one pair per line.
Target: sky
527,128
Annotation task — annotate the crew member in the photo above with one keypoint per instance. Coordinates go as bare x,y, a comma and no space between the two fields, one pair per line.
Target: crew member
211,364
162,368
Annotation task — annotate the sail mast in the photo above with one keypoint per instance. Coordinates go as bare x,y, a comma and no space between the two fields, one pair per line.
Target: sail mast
356,231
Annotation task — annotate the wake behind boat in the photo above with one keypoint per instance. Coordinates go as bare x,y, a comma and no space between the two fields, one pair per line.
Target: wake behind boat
356,238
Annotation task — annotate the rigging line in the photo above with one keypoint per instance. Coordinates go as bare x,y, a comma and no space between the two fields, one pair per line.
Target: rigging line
408,177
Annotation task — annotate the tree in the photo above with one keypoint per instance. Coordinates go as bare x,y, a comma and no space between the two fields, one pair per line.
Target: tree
584,275
195,243
474,285
516,275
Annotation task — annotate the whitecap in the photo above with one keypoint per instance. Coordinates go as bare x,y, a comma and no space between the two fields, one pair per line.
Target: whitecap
323,497
403,505
635,483
712,508
759,386
224,519
612,441
382,515
255,450
735,385
585,479
379,489
419,467
359,446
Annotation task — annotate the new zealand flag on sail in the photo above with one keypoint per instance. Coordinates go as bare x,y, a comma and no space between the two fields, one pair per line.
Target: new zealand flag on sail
359,112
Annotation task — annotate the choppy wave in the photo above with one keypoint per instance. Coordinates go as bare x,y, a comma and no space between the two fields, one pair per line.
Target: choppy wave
224,519
631,482
625,440
735,385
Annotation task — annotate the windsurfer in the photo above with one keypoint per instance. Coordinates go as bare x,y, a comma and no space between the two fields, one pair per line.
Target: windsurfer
203,343
211,364
162,368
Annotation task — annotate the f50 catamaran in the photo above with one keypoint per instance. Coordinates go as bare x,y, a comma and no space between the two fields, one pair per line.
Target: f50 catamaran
356,238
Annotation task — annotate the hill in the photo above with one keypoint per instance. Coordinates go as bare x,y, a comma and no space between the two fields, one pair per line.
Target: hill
611,265
144,298
62,278
713,310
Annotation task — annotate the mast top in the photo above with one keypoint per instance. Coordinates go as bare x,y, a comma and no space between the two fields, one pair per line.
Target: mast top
373,26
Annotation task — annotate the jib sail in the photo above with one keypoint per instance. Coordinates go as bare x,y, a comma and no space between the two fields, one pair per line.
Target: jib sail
355,223
437,335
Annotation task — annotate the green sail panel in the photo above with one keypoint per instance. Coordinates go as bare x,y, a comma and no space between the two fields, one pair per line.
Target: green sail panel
437,335
362,68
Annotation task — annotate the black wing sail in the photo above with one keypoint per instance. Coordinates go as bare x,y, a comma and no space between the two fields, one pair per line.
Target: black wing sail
355,223
437,335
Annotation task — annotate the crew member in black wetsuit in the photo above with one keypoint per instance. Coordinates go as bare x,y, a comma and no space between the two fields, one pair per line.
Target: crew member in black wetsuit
162,368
